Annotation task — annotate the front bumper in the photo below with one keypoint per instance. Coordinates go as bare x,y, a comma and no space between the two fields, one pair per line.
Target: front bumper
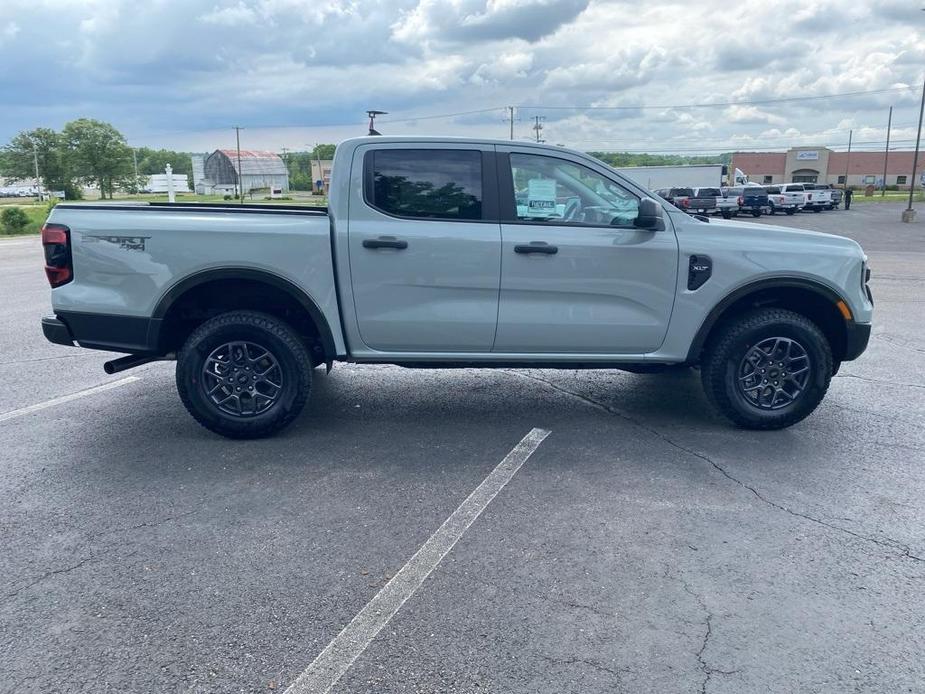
56,331
857,335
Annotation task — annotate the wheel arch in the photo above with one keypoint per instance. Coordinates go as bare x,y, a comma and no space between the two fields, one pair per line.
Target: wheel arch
813,299
169,322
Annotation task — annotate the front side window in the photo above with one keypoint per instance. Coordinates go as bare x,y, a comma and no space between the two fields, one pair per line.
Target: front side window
557,191
426,183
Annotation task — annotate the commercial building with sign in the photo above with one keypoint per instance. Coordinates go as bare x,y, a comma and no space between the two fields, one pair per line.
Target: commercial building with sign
823,165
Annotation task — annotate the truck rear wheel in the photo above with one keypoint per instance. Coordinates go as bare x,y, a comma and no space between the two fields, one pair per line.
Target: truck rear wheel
244,374
767,369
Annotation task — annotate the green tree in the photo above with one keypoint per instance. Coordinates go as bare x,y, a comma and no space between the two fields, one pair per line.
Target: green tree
13,220
153,161
98,154
19,159
323,152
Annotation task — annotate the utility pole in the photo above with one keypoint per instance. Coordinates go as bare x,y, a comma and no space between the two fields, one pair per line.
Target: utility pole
886,152
240,185
909,213
135,160
38,181
511,116
848,158
538,126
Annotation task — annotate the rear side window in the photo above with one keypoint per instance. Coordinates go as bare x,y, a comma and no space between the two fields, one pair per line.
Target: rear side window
426,183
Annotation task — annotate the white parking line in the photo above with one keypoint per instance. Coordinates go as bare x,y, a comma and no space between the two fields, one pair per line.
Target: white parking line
339,655
12,414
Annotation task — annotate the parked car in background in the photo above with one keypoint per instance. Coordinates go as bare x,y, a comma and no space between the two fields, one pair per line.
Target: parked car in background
807,195
676,196
703,200
724,206
836,193
752,200
817,199
780,200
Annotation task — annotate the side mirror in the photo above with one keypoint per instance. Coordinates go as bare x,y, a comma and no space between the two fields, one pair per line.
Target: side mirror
649,215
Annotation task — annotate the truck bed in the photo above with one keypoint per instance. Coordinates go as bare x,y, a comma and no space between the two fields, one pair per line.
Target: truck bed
129,259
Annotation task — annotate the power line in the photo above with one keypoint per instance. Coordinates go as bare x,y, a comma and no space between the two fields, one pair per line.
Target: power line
438,116
715,104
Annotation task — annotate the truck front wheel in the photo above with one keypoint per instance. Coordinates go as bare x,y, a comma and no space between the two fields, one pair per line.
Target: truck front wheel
244,374
767,369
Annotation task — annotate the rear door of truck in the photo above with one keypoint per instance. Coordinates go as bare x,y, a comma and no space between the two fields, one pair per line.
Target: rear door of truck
425,247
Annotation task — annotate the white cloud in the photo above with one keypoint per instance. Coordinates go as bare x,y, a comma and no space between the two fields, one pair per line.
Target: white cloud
233,15
167,67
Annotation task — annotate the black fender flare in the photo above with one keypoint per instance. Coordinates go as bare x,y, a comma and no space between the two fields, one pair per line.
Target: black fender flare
196,279
742,292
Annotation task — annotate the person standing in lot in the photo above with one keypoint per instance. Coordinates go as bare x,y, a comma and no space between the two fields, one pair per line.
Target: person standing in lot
848,193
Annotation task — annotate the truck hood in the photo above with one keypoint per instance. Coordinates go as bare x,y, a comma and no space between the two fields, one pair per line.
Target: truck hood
785,234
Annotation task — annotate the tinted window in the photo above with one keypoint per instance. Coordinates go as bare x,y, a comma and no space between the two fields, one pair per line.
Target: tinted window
427,183
709,192
681,191
752,192
774,190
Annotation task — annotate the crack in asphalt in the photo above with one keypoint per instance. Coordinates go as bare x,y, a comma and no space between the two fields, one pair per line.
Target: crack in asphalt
898,384
898,342
53,572
904,550
707,669
91,558
575,660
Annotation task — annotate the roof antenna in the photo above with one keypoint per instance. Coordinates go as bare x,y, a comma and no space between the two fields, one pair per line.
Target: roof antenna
372,121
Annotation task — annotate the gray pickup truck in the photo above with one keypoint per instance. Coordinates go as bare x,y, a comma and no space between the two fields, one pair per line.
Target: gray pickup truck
440,252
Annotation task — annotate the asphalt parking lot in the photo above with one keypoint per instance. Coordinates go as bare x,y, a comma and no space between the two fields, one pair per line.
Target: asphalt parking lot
644,546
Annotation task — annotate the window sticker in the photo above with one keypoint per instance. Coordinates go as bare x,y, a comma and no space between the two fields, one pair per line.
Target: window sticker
541,198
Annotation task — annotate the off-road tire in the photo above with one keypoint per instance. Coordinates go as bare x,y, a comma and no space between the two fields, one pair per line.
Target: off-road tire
727,348
295,367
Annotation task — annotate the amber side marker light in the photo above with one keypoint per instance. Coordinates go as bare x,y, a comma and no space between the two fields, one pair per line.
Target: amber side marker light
845,311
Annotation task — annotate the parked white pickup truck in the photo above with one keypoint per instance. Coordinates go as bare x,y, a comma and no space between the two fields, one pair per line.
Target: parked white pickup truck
783,200
812,199
439,252
725,205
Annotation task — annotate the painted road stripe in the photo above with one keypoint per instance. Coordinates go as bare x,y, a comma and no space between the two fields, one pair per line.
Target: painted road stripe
12,414
339,655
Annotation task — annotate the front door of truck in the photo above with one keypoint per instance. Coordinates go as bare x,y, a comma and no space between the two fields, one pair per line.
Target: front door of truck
577,277
425,247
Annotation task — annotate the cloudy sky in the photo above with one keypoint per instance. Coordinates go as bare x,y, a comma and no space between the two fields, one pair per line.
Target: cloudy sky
180,73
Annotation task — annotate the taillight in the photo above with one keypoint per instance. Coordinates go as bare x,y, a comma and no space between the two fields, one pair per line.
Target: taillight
740,201
56,241
685,202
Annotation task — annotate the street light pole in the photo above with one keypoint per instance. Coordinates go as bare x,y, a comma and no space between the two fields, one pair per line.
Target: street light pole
909,213
38,181
237,132
848,157
886,152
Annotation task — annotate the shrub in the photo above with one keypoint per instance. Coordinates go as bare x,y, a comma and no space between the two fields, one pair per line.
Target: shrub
13,220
